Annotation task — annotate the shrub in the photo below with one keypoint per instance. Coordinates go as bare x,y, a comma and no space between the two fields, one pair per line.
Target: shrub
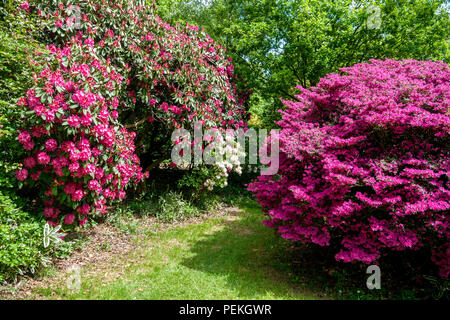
78,153
16,46
364,163
173,207
173,75
21,246
109,66
22,237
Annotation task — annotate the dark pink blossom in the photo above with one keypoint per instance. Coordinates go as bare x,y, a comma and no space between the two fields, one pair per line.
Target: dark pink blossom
22,174
364,162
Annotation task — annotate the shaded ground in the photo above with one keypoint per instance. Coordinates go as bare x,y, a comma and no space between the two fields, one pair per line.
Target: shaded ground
225,255
229,255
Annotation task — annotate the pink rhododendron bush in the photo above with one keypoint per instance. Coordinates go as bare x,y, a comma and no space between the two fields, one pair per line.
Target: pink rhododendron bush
80,156
173,75
110,67
364,162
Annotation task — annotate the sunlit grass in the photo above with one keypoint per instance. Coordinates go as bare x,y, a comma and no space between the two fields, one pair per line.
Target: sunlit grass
227,257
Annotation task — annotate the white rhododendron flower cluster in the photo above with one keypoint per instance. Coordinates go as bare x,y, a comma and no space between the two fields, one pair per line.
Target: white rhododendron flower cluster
228,154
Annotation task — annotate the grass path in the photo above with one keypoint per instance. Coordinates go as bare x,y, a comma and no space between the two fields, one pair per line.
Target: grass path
232,256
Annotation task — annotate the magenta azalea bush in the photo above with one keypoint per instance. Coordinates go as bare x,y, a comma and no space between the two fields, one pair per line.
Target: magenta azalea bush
110,66
364,162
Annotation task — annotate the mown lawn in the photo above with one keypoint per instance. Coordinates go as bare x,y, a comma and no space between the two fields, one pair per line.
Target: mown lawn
232,256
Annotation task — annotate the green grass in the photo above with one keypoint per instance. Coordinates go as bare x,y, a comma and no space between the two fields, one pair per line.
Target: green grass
226,257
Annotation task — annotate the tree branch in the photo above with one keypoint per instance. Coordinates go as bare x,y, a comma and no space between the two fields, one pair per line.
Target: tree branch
154,164
137,124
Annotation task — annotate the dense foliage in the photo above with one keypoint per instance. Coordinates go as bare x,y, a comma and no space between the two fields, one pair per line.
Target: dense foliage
16,47
79,154
276,44
21,246
364,161
91,92
173,75
111,65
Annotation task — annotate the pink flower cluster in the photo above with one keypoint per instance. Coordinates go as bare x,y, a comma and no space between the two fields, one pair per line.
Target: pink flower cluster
80,156
365,162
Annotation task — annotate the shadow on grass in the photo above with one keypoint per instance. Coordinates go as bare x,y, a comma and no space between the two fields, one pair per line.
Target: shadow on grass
255,261
247,254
